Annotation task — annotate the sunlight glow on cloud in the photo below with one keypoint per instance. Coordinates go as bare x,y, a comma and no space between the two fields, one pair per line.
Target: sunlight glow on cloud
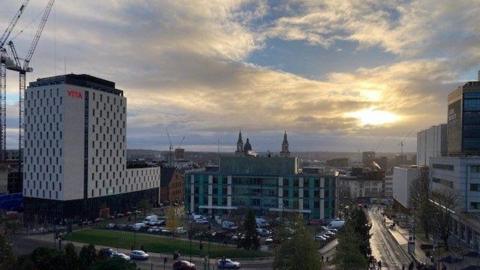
184,64
374,117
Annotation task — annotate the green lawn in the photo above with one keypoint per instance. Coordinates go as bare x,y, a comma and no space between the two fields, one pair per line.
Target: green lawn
153,243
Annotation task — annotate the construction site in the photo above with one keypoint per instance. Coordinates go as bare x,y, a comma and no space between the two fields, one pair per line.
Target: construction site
11,60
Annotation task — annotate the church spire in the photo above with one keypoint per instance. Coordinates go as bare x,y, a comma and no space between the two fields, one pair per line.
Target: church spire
285,152
239,143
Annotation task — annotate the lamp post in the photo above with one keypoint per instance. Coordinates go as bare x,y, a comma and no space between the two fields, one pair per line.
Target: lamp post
190,239
134,229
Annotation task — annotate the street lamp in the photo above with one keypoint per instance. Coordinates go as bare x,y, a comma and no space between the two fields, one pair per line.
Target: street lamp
134,229
190,238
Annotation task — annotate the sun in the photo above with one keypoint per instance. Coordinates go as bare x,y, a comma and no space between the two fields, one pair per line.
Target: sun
374,117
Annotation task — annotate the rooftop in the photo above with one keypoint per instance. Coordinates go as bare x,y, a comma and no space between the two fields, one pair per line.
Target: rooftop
82,80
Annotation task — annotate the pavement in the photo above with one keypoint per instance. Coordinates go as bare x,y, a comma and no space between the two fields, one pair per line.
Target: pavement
401,235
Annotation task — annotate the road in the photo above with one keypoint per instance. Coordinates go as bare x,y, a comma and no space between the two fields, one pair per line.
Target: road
25,245
384,247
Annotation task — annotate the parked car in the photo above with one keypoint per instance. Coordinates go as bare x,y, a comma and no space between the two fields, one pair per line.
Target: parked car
106,252
268,241
228,225
121,256
122,226
263,232
139,255
228,264
183,265
331,233
153,229
110,226
180,230
138,226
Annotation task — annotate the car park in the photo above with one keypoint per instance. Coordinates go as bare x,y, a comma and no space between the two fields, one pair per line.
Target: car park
139,255
228,264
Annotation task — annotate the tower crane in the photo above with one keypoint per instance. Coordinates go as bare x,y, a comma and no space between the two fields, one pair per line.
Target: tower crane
170,148
5,60
22,69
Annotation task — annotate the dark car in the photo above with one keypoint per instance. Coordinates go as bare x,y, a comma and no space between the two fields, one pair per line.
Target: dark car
183,265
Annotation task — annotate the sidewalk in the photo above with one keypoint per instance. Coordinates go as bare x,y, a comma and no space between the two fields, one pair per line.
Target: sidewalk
401,235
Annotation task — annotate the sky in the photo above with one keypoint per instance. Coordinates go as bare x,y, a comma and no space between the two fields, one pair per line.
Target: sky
351,75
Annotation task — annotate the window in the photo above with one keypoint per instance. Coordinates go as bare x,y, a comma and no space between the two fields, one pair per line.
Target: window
474,187
475,205
443,167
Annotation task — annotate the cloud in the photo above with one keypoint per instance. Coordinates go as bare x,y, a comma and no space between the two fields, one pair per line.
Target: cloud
406,28
183,64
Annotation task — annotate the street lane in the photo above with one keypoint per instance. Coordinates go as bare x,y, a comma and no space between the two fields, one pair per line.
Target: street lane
384,247
26,244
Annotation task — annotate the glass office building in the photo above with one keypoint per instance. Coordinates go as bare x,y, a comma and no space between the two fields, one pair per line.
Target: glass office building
463,130
268,185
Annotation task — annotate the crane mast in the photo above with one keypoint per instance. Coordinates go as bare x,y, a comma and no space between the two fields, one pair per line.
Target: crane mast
4,61
22,70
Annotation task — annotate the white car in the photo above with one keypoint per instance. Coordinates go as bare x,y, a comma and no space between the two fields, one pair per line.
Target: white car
139,255
121,256
228,264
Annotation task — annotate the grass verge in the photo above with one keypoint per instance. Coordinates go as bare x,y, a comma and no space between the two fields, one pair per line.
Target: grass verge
152,243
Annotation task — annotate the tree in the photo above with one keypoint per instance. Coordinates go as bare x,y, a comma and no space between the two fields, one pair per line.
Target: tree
348,255
444,201
173,218
71,257
250,240
144,205
115,263
419,201
359,222
87,256
48,259
353,250
298,251
7,259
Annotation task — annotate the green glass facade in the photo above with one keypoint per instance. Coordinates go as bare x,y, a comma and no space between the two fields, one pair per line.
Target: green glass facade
228,189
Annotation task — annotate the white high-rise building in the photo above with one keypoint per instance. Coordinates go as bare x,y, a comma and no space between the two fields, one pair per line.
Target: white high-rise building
75,147
431,143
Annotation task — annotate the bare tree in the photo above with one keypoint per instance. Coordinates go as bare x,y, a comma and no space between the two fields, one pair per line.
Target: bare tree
444,202
419,202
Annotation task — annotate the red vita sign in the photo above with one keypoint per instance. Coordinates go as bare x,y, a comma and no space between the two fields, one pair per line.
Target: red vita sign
75,94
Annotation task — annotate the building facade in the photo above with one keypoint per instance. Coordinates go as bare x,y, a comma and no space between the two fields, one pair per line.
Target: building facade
431,143
460,175
361,183
463,130
172,185
403,178
268,185
75,149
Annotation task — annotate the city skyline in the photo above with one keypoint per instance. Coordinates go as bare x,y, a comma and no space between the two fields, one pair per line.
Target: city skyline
204,70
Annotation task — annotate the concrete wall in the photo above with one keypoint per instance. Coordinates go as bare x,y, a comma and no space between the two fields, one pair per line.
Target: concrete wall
431,142
402,179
